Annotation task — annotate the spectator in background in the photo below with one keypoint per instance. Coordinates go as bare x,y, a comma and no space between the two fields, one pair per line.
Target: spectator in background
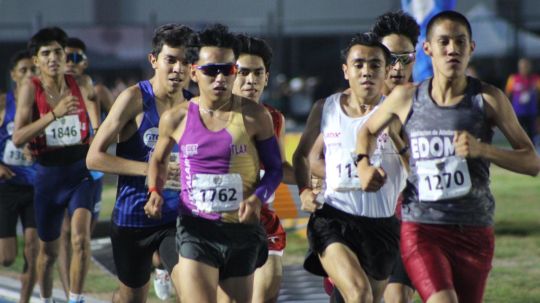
522,89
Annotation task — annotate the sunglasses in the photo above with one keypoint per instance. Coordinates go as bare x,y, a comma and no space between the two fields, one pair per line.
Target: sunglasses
213,70
75,58
403,58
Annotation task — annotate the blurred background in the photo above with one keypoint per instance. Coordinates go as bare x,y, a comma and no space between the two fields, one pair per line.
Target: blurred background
306,37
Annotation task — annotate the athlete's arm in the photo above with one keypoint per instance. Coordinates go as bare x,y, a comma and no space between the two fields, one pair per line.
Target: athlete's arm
301,155
522,158
90,99
259,125
104,97
316,158
122,115
288,170
396,106
25,128
159,162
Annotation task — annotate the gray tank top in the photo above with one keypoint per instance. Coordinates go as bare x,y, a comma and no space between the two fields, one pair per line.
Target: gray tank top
443,188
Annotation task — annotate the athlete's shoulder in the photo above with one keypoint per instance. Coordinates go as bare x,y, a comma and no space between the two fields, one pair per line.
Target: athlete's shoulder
490,91
251,108
172,117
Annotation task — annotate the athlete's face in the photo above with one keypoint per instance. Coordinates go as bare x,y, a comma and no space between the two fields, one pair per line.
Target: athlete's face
171,68
72,67
401,47
252,77
450,48
365,70
215,73
24,69
50,59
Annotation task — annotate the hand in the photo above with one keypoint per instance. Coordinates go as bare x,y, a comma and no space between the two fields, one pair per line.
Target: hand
6,173
309,204
466,145
152,208
67,105
371,178
250,211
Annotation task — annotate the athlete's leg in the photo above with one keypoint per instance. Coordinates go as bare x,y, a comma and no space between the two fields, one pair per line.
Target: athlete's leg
237,289
197,281
129,294
267,280
8,250
398,293
28,276
80,244
345,270
48,253
64,254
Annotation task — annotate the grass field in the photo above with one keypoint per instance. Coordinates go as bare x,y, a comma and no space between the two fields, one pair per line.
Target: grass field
516,268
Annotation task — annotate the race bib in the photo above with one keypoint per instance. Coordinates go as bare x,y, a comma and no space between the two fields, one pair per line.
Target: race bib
217,192
15,156
443,178
64,131
173,178
341,172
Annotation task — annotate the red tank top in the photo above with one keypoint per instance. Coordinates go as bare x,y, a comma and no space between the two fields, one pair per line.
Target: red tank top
38,145
277,119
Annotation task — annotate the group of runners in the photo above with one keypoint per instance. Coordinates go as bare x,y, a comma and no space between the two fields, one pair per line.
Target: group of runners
197,173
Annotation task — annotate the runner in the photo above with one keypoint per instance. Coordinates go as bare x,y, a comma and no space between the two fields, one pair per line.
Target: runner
52,115
134,119
252,78
223,139
353,236
447,238
17,175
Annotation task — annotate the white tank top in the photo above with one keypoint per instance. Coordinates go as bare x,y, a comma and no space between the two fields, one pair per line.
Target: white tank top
342,185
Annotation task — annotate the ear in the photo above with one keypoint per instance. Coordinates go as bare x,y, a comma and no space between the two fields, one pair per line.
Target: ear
473,46
266,77
387,71
35,60
12,74
427,48
344,68
153,60
192,73
85,64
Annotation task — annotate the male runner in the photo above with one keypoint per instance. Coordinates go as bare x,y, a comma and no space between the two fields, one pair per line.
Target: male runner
52,115
447,238
399,32
17,175
76,64
353,237
223,139
253,73
133,121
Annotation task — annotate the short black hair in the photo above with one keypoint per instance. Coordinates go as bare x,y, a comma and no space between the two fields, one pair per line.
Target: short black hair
448,15
369,39
76,43
46,36
257,47
172,34
217,35
18,56
399,23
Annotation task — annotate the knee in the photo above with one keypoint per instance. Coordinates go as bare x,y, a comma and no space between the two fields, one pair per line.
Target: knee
357,293
48,255
30,252
80,243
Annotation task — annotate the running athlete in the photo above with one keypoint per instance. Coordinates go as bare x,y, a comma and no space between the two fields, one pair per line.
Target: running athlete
52,115
353,236
134,120
76,64
399,32
17,175
253,73
223,139
447,238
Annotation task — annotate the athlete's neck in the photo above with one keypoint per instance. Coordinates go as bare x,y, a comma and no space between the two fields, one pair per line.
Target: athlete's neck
163,94
54,83
363,101
444,90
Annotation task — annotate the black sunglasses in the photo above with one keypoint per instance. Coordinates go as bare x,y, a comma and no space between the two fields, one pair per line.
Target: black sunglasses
403,58
213,70
75,58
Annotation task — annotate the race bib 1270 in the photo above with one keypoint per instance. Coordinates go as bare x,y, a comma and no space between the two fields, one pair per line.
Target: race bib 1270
441,179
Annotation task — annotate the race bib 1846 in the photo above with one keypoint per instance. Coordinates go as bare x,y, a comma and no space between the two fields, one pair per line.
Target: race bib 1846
64,131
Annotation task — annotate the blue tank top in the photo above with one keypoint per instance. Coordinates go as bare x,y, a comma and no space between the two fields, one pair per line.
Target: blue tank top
132,190
443,188
25,172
